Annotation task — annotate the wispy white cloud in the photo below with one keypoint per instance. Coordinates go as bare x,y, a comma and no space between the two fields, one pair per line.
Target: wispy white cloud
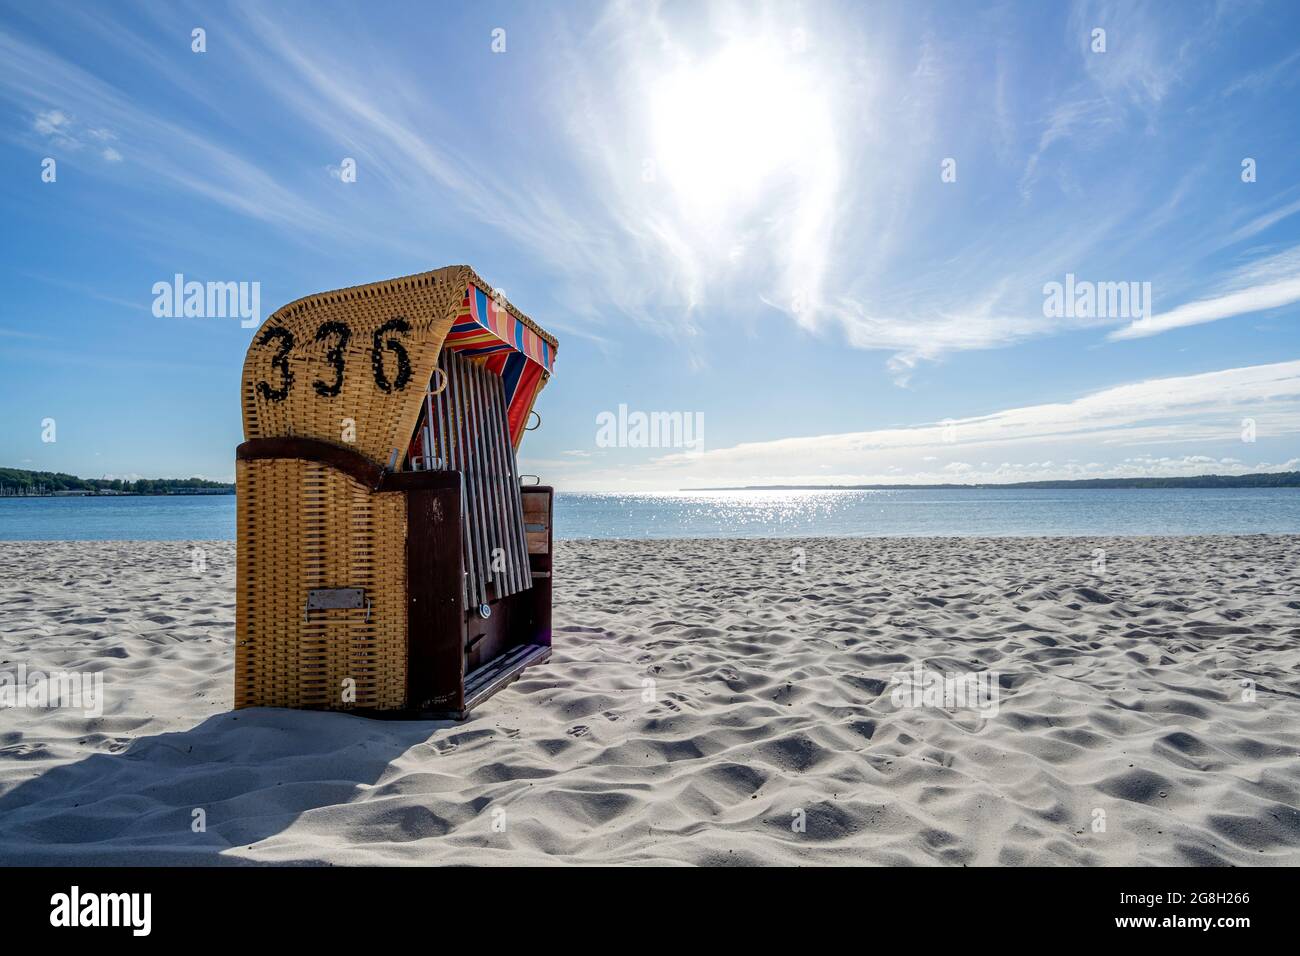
1070,123
73,104
52,123
1264,221
1283,73
1257,299
1093,435
725,167
414,145
19,334
1143,59
63,132
1269,283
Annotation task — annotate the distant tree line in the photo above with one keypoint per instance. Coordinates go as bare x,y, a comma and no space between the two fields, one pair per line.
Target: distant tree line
23,482
1277,479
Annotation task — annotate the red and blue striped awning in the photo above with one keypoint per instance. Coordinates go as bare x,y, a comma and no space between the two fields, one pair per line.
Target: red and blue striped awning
486,331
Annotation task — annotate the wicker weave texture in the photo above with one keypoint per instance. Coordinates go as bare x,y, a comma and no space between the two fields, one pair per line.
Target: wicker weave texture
301,526
351,366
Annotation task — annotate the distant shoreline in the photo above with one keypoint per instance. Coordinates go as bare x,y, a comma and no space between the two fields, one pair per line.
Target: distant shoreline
1280,479
22,483
78,493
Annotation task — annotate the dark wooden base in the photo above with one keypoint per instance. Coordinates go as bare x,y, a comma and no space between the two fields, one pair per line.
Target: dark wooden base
495,675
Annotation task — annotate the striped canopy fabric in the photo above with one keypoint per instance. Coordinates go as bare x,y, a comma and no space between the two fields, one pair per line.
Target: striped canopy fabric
487,332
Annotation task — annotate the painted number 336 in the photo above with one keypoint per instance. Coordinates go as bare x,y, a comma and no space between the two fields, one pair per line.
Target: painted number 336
335,336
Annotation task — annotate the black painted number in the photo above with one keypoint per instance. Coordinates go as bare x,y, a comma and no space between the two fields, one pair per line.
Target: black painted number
395,346
334,355
280,363
339,335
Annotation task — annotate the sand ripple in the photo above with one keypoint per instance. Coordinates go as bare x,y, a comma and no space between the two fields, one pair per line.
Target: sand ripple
706,704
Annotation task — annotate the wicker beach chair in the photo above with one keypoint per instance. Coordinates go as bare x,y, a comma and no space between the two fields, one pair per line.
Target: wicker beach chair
388,558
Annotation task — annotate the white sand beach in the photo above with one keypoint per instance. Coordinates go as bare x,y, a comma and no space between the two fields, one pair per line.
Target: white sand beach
706,704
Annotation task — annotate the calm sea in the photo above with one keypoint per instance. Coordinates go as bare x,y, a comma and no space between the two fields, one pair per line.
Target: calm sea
745,514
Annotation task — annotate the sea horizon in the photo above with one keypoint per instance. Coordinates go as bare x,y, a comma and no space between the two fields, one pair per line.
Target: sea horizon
743,513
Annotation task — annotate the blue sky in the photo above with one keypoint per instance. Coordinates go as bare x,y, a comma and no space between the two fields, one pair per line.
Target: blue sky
737,211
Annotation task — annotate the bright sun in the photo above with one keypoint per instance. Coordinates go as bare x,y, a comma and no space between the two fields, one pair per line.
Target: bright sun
723,126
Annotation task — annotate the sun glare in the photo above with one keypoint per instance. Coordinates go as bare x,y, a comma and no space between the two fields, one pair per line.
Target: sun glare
723,126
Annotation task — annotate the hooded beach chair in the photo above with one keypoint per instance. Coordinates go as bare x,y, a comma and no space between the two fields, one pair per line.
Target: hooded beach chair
388,558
